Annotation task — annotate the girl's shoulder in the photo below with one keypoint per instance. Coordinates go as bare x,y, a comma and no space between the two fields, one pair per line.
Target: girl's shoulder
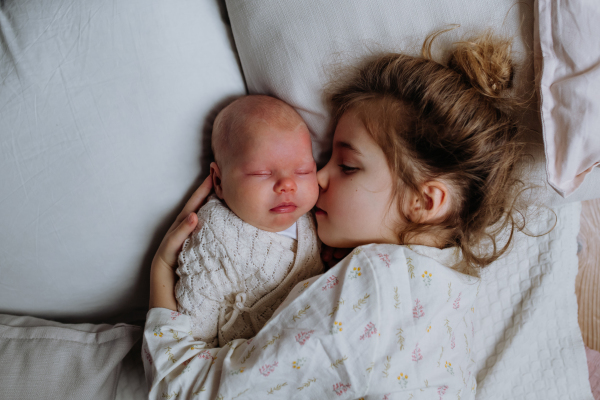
408,261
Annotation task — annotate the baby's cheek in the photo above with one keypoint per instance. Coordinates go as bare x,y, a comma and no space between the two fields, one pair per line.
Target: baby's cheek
312,189
242,196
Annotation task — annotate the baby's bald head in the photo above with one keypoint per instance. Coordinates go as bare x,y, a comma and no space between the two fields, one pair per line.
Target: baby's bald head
264,170
234,123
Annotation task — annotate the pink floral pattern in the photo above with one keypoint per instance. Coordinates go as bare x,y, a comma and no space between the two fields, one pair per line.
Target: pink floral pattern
331,282
340,388
148,356
205,355
370,330
442,390
452,341
418,311
267,369
456,304
303,337
416,354
174,315
385,258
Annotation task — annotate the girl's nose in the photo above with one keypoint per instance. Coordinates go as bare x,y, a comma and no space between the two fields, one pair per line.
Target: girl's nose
323,178
285,185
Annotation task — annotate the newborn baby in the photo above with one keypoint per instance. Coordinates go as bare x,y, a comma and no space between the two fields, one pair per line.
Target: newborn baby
256,239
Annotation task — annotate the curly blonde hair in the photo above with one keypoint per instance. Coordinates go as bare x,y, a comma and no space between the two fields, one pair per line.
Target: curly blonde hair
453,123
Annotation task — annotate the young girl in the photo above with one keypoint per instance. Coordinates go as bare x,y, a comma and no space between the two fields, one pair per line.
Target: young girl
420,183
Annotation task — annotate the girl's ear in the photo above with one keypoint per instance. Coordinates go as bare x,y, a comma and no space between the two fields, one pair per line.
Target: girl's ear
215,174
432,207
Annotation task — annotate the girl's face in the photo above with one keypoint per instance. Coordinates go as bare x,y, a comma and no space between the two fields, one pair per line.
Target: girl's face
355,205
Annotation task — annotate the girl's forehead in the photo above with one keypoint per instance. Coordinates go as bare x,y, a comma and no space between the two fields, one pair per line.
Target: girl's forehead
352,135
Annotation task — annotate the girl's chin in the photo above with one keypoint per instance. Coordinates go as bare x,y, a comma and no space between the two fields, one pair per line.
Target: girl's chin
329,239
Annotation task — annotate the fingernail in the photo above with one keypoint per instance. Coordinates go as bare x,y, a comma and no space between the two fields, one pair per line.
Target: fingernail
189,218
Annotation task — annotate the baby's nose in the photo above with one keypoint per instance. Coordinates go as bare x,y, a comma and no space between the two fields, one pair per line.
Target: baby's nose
285,185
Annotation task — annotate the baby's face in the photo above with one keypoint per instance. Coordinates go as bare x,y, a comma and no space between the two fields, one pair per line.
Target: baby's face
269,178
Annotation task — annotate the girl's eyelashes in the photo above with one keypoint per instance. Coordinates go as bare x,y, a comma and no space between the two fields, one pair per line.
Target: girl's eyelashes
346,169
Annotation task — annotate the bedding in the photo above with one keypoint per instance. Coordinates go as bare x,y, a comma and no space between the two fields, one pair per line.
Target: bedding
528,322
103,106
568,65
49,360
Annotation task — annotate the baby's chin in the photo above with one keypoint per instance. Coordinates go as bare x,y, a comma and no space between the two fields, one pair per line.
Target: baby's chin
279,222
274,221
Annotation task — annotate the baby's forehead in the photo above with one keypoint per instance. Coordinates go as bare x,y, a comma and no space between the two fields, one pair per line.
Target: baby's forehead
266,141
278,115
253,125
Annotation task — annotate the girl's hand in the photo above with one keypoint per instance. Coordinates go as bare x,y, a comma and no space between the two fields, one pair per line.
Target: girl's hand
162,272
332,255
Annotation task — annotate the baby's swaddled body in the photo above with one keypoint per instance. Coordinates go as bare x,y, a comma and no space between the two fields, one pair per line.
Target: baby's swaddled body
233,275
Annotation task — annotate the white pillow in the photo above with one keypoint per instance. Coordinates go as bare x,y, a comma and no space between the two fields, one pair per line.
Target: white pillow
103,107
48,360
568,59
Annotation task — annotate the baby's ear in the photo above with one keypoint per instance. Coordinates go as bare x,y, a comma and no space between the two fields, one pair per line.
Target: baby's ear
215,174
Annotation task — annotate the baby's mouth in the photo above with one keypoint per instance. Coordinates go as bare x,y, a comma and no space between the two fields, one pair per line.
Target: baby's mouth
284,208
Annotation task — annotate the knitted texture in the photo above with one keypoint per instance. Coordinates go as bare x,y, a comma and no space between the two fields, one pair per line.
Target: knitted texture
233,275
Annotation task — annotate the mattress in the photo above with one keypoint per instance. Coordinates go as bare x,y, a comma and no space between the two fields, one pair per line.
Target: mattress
529,345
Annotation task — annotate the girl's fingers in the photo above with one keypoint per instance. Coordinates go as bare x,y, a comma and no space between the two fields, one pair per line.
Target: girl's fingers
198,196
195,201
177,237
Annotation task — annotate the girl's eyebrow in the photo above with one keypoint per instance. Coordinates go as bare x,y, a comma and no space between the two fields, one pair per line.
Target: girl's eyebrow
346,145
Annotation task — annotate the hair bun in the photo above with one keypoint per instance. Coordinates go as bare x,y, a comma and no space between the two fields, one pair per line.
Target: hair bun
485,62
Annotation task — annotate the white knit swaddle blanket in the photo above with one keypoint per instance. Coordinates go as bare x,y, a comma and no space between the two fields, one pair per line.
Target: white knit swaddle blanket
233,275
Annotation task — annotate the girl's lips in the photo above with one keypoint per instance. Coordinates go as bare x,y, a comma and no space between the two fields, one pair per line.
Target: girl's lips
319,212
284,208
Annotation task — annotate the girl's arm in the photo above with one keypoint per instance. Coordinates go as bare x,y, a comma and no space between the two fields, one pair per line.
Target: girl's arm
320,343
162,272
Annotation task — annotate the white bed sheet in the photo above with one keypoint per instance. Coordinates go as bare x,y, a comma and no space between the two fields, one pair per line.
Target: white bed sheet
529,343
